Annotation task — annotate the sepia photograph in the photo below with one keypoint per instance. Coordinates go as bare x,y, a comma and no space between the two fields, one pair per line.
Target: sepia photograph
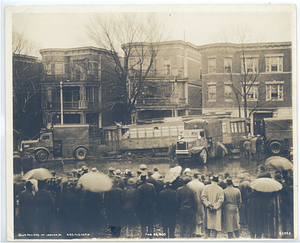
151,122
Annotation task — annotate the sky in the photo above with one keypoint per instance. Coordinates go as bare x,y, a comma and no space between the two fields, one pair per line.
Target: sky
65,26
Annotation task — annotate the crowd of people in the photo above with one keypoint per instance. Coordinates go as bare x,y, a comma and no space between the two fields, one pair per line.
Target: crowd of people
200,204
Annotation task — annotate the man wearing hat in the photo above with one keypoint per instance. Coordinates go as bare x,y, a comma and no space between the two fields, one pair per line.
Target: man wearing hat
143,167
129,207
128,175
187,209
119,180
111,172
27,208
231,205
146,199
197,186
167,207
213,197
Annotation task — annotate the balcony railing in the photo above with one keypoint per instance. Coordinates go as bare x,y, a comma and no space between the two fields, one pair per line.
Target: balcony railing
160,101
69,77
73,105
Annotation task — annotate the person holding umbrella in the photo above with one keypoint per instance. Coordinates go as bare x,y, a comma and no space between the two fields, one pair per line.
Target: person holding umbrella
168,209
213,197
265,208
27,208
146,201
232,202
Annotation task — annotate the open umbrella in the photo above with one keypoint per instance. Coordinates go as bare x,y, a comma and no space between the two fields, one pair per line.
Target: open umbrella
265,185
95,182
172,174
38,174
279,163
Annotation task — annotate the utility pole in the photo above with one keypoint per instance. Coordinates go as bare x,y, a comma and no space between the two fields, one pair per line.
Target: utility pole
61,104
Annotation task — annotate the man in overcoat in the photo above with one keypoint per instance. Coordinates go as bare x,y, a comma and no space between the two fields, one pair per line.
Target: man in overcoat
146,201
187,209
44,208
232,202
213,197
198,187
113,203
27,208
168,208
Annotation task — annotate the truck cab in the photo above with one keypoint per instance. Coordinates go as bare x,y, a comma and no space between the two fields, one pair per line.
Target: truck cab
62,141
200,140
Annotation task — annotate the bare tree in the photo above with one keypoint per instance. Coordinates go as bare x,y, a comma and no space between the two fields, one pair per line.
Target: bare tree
132,42
245,84
27,72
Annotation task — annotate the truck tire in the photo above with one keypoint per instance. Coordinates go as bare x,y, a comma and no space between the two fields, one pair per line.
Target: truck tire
203,156
275,147
41,155
80,153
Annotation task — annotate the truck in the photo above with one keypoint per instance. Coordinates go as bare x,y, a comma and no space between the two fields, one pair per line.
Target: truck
201,139
62,141
278,135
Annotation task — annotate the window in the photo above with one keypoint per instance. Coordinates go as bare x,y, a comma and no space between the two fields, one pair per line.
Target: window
67,68
89,93
252,92
166,65
227,65
224,127
274,64
132,63
58,68
146,63
249,64
211,65
45,137
227,92
212,92
274,92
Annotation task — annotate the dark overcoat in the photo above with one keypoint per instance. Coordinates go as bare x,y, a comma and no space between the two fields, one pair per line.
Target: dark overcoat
168,206
113,203
146,202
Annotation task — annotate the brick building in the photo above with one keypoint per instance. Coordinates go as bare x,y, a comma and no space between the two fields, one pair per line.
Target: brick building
173,86
267,72
79,73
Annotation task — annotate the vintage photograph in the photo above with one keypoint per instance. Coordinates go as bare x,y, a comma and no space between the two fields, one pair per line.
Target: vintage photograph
141,122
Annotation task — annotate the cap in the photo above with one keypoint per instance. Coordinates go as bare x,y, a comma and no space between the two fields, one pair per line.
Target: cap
131,182
186,179
118,172
111,169
186,170
143,167
155,169
94,169
229,181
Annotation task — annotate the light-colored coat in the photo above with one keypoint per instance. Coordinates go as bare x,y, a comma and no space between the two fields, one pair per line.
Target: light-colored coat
198,187
232,202
213,195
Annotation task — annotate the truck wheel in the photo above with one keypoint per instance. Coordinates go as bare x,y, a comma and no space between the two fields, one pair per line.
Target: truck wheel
275,147
80,154
203,156
41,155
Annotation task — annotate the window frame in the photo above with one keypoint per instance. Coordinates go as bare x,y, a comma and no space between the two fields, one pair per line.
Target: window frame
279,63
226,64
215,93
279,87
254,64
209,67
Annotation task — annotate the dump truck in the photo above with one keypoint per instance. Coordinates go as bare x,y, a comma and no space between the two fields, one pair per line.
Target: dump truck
63,141
201,139
278,135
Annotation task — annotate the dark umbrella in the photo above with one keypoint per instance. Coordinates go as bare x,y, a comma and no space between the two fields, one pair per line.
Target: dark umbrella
265,185
38,174
279,163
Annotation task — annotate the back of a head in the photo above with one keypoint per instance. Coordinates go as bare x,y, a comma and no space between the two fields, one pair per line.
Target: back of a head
41,184
28,185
